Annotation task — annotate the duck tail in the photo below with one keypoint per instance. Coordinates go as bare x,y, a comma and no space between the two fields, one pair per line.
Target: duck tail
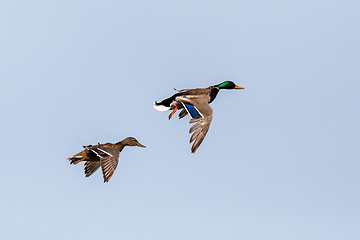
160,107
76,159
164,104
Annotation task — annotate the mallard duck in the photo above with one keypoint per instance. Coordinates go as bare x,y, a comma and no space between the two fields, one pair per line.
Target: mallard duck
105,155
195,103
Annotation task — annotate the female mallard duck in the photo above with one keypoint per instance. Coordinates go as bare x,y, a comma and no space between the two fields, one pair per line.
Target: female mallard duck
105,155
195,103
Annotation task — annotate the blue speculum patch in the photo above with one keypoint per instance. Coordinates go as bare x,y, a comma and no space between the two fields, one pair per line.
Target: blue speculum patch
100,152
193,112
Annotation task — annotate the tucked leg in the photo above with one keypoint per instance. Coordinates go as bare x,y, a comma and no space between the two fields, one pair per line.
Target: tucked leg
172,113
80,160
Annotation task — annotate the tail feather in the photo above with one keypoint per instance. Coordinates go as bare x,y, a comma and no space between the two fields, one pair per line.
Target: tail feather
76,159
164,104
160,107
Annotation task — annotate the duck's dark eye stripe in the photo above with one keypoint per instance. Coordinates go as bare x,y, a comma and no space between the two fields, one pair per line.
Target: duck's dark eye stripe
193,112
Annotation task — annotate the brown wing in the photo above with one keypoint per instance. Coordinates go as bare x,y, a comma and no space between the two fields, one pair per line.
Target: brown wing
201,114
109,158
183,113
91,167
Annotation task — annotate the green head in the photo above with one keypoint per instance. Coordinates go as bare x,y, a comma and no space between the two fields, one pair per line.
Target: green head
228,85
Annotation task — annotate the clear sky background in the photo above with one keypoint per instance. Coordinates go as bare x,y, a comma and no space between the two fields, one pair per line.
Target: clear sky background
281,159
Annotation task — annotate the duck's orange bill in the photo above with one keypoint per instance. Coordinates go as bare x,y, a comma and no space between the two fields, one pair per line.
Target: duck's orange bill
237,87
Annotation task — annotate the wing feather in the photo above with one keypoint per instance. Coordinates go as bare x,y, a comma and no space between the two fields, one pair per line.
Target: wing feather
109,160
202,122
91,167
183,113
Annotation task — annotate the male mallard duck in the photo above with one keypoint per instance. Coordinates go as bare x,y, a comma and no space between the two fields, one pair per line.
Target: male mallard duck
195,103
105,155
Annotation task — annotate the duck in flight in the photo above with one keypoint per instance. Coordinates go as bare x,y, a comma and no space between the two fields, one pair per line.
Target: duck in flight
195,102
105,155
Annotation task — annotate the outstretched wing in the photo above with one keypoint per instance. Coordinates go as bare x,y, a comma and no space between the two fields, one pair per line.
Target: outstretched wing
201,114
109,158
91,167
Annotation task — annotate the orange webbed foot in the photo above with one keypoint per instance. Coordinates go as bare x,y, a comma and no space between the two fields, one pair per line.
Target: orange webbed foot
172,113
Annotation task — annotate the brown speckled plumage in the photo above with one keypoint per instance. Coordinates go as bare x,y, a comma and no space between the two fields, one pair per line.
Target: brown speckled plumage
104,155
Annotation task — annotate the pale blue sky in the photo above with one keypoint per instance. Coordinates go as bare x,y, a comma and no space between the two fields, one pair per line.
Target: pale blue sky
281,159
